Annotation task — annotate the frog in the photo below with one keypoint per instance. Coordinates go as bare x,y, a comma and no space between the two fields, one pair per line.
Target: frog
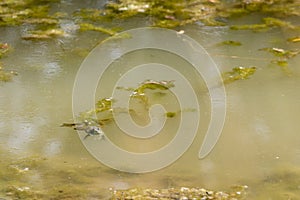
88,126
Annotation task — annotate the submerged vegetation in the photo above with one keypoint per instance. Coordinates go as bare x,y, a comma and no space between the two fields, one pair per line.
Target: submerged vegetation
4,49
231,43
179,193
238,73
5,76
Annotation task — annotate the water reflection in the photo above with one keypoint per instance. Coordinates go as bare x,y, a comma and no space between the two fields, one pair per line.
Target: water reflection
262,130
51,70
52,148
20,135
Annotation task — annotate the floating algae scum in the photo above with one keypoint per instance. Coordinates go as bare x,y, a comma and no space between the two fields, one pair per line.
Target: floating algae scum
255,44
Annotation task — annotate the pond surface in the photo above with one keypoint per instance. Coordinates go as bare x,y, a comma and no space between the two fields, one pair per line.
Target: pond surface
259,146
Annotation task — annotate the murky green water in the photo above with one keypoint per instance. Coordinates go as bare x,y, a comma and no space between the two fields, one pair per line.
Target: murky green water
259,145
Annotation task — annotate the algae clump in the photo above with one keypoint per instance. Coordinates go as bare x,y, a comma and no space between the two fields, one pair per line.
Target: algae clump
91,27
238,73
231,43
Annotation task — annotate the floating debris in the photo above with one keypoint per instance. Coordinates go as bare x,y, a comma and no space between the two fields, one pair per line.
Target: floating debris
238,73
294,39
